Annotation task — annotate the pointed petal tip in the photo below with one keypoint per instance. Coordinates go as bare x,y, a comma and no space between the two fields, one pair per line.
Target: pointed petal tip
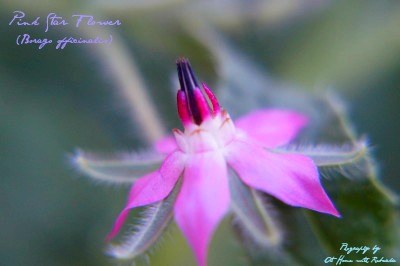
298,185
335,213
109,237
326,207
331,211
117,225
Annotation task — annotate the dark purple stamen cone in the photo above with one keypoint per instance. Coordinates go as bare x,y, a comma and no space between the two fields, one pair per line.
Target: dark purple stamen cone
188,83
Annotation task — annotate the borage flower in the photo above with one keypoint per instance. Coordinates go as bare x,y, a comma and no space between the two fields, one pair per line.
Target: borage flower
207,170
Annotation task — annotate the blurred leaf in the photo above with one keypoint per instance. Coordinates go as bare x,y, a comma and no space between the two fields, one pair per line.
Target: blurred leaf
350,44
369,210
369,218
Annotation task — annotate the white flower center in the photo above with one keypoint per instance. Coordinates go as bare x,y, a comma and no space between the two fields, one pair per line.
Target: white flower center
213,134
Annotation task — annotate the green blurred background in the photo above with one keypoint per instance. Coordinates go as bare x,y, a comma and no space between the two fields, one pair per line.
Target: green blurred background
54,101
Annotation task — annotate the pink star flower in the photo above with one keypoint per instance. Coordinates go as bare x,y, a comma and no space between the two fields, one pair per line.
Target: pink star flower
199,164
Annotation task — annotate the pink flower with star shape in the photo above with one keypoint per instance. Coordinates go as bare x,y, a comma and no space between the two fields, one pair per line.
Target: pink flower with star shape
200,158
211,143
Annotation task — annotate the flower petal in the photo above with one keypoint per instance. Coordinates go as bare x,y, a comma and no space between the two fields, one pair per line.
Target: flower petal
271,128
152,187
203,200
148,230
166,144
292,178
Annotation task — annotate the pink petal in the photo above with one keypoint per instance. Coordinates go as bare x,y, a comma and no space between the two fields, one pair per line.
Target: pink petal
166,145
151,188
203,200
271,128
291,178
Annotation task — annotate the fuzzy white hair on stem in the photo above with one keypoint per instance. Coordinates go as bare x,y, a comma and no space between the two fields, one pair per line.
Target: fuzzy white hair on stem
350,160
119,168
